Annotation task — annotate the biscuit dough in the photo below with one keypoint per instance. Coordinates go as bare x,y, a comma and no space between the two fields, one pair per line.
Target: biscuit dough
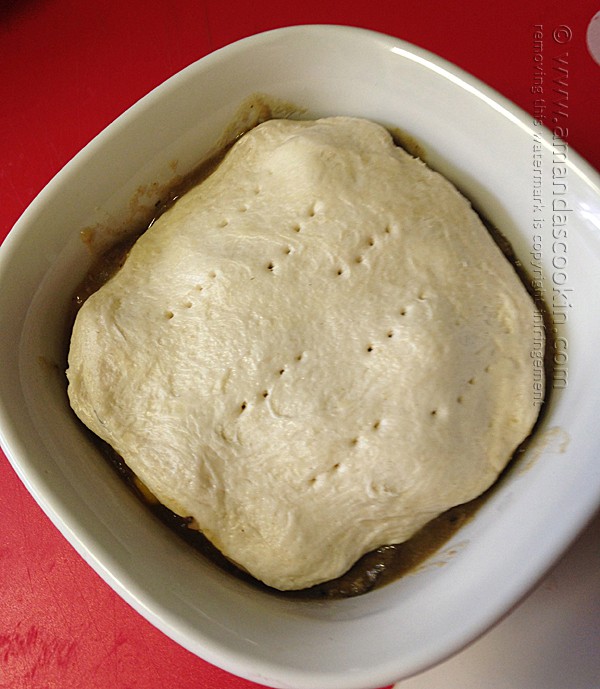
312,353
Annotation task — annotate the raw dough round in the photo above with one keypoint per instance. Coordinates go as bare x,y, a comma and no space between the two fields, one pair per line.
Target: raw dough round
312,353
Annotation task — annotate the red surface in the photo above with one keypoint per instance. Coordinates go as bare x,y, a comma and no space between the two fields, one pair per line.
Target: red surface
67,69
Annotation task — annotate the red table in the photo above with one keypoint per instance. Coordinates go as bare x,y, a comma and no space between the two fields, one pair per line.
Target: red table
67,69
